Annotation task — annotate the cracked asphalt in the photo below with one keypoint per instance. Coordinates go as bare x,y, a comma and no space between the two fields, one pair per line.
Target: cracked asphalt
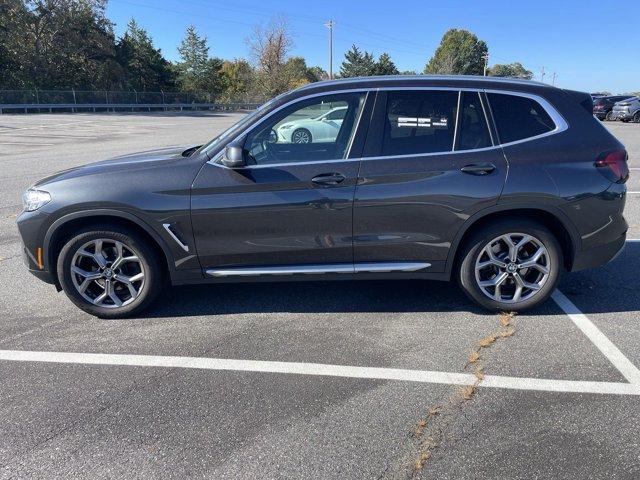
108,421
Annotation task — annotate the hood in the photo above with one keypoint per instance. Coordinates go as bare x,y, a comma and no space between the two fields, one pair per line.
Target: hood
146,159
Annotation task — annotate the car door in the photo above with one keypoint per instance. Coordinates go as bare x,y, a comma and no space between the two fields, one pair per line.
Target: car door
292,204
428,165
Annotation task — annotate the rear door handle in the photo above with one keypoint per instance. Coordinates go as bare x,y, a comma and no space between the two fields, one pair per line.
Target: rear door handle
329,179
478,168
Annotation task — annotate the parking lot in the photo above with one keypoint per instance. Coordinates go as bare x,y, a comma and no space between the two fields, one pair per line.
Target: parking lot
311,380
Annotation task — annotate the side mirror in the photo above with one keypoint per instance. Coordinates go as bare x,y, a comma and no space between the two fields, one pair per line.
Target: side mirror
233,156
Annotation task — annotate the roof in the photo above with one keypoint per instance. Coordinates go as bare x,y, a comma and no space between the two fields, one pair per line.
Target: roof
424,79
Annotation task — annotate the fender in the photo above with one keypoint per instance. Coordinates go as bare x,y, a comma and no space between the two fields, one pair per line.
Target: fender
506,207
109,213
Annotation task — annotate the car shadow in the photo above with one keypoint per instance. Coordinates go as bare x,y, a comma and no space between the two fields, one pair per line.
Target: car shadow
612,288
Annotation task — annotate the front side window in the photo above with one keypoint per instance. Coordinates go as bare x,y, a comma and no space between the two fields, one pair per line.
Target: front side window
418,122
320,128
517,118
473,131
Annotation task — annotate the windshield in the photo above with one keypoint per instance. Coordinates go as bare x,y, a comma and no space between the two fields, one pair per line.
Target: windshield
237,127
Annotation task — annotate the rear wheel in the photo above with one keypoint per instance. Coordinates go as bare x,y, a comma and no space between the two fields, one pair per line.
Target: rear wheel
511,265
109,272
636,117
609,116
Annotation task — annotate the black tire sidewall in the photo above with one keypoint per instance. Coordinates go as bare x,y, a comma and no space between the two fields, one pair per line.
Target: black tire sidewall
472,248
153,273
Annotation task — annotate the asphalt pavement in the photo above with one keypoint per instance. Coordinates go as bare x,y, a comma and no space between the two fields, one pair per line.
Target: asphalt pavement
311,380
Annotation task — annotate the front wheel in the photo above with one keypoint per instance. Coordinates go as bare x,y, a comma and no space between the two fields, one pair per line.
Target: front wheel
301,135
109,272
511,265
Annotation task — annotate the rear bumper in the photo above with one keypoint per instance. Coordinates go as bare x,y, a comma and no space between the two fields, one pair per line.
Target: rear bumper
600,255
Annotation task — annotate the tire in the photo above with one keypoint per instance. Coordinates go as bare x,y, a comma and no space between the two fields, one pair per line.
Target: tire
608,116
301,135
474,254
98,292
636,117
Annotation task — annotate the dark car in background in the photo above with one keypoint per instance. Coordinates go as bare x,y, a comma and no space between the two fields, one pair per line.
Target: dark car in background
602,107
499,184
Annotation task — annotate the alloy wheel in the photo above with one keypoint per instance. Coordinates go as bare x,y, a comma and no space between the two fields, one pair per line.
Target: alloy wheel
512,268
301,136
107,273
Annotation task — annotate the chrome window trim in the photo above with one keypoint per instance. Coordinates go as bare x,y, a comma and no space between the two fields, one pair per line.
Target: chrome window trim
556,117
455,129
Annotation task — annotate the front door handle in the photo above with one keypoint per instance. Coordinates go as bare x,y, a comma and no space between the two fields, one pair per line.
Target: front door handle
478,168
328,179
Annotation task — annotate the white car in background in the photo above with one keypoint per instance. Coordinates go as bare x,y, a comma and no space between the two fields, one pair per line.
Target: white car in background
323,128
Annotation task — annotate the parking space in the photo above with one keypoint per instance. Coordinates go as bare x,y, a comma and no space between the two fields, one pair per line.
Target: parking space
309,380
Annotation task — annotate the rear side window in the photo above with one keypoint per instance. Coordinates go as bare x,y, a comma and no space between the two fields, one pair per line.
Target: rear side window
518,117
419,122
473,129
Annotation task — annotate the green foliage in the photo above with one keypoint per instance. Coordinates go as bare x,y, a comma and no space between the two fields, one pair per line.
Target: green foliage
196,71
357,64
515,70
385,66
460,53
59,44
144,67
238,80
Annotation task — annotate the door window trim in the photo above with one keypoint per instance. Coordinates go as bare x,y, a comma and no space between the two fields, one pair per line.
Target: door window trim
559,121
216,161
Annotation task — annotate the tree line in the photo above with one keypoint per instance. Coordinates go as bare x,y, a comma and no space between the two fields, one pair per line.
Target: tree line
65,44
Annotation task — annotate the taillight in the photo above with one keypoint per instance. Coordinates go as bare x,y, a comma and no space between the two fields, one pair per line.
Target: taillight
613,165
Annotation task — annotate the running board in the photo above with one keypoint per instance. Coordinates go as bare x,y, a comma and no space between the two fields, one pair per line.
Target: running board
372,267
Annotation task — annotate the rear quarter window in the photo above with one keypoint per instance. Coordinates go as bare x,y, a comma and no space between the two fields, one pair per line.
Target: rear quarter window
518,118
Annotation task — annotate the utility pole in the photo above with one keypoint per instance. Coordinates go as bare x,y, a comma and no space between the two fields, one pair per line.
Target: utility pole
486,62
553,81
329,25
542,74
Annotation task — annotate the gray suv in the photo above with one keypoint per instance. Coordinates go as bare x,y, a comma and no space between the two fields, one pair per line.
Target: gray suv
627,110
497,184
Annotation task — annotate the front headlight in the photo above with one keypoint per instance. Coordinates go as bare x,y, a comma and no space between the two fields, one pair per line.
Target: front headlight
33,199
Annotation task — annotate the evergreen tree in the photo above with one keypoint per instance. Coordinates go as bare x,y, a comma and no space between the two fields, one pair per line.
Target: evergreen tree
198,72
357,64
515,70
144,66
385,66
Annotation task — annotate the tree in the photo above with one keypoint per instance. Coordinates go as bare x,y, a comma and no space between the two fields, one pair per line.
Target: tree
238,80
515,70
58,44
144,66
196,71
385,66
299,74
460,52
357,64
318,73
269,47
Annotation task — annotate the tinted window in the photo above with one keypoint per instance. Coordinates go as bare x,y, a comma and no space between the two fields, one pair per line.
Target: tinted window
337,114
473,130
302,131
518,117
419,122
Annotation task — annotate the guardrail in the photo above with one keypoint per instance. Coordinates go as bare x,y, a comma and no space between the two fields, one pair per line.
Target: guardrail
75,107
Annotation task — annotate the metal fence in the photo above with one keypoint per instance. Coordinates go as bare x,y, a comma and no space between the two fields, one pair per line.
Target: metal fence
80,100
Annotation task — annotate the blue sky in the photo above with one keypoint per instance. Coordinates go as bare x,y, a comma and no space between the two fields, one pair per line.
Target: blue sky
574,38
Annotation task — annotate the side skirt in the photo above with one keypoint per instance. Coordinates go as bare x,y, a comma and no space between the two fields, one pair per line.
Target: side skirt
347,268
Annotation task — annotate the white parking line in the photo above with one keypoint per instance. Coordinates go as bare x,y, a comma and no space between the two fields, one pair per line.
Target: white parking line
345,371
615,356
